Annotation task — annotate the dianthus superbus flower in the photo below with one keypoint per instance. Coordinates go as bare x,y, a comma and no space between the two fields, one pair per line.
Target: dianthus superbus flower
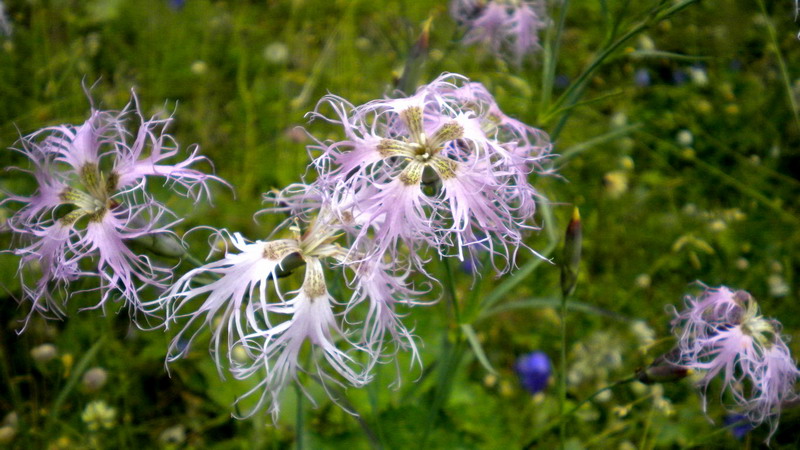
502,25
92,198
441,169
260,329
723,332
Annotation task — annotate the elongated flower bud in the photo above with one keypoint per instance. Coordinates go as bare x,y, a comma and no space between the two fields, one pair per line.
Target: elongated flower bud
162,244
662,370
416,59
571,258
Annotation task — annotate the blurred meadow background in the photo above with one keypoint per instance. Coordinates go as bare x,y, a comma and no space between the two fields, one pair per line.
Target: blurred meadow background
677,137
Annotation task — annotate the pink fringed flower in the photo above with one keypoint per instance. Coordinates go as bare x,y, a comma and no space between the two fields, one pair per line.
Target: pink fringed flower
263,328
502,25
308,316
91,198
443,168
722,332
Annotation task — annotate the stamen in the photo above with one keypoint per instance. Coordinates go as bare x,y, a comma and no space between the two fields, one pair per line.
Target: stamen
88,203
447,132
412,174
391,147
71,217
445,167
413,119
314,282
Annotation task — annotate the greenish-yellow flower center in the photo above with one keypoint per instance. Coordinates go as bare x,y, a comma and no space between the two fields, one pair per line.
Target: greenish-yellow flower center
422,150
91,195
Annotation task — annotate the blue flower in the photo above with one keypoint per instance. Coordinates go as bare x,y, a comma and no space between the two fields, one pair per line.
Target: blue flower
738,424
642,78
561,81
534,371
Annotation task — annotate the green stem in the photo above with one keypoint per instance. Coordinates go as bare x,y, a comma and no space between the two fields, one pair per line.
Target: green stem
449,285
562,378
77,371
551,58
451,353
299,419
773,36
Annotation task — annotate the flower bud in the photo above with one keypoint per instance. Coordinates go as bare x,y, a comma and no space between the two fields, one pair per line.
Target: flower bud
416,58
162,244
571,258
662,371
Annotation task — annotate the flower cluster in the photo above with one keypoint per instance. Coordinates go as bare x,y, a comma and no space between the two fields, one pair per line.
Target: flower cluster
92,199
722,332
442,169
502,25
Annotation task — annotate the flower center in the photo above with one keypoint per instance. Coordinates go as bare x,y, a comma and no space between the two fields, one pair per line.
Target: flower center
424,152
92,194
753,324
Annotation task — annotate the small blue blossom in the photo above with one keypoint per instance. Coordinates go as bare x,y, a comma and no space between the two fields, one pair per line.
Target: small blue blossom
470,265
642,78
534,371
561,81
738,424
679,77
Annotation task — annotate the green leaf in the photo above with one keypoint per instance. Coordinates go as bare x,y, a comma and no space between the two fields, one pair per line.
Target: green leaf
477,348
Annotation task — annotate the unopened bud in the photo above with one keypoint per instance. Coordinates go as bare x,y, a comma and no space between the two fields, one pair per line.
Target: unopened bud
571,258
288,264
162,244
662,371
416,58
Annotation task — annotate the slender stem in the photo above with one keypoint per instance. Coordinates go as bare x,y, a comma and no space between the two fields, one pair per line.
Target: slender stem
787,82
449,285
648,422
551,58
194,260
299,419
562,378
77,372
451,353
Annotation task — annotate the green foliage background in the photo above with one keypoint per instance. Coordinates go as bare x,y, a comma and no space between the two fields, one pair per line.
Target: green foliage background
658,213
